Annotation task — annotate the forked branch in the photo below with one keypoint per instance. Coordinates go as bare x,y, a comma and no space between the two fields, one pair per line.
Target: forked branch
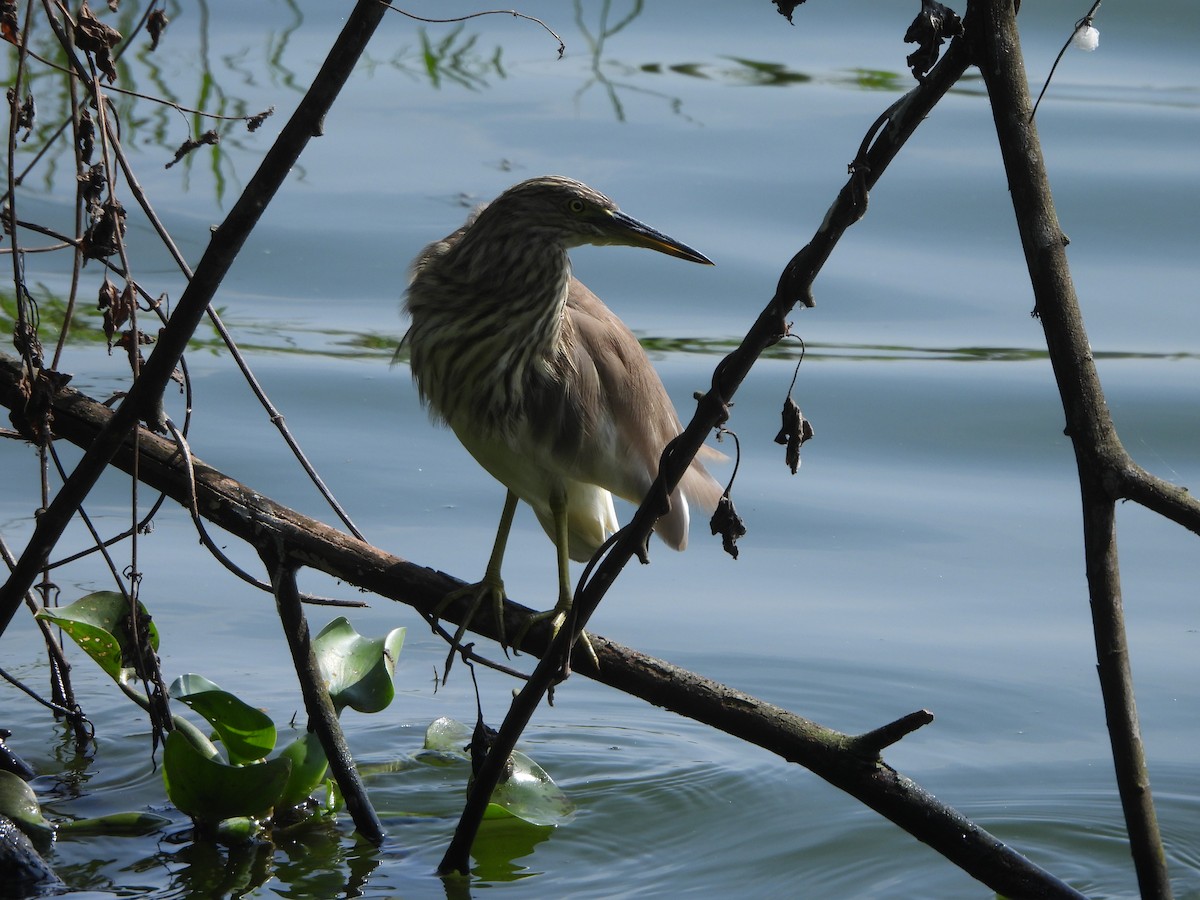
1106,472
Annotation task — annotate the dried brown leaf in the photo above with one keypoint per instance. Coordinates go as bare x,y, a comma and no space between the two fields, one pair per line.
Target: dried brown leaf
727,523
10,28
156,24
209,137
930,29
91,190
255,122
104,237
33,418
794,432
94,37
85,136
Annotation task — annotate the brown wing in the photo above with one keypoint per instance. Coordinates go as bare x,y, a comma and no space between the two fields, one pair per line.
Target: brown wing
613,373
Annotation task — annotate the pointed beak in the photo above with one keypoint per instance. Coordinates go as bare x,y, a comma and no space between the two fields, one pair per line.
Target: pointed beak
628,230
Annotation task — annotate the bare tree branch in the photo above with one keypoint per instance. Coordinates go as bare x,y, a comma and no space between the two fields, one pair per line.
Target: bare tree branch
850,762
1102,461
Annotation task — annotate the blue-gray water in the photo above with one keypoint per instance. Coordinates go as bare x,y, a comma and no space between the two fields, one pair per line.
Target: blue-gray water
928,554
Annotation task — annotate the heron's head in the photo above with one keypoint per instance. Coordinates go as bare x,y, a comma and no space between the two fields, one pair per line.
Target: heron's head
569,213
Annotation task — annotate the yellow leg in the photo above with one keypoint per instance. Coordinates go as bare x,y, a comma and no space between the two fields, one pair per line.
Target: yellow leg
558,507
558,615
491,587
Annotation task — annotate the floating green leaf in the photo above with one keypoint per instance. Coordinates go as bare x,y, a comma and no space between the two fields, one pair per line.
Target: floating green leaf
99,624
19,803
445,735
530,794
238,830
527,792
210,791
358,670
247,733
126,824
309,765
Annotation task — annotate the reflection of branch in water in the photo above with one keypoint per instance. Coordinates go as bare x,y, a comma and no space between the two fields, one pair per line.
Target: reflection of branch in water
596,46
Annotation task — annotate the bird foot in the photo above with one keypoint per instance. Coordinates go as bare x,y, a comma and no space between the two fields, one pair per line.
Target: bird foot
556,618
489,590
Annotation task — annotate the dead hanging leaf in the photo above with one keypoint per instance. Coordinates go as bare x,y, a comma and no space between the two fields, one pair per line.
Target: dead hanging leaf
795,431
787,7
10,28
91,190
155,26
85,136
27,343
255,122
108,296
933,25
209,137
727,523
104,237
33,418
117,308
94,37
25,115
132,346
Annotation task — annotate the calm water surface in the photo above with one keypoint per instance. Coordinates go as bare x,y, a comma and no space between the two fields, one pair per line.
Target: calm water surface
928,555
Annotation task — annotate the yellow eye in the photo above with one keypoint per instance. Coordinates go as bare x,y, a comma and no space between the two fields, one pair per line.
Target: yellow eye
576,205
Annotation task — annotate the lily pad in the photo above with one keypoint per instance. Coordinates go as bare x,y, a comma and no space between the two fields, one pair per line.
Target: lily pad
210,791
527,793
358,670
99,624
247,733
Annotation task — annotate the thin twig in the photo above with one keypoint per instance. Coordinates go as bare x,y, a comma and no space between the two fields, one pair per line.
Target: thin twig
1085,22
178,107
562,47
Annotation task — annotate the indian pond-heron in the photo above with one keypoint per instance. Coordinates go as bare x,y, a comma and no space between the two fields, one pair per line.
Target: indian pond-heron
547,389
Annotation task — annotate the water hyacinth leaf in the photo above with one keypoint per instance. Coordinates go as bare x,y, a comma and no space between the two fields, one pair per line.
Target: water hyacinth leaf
531,795
247,733
446,735
309,765
99,624
238,830
526,792
357,670
19,803
210,791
